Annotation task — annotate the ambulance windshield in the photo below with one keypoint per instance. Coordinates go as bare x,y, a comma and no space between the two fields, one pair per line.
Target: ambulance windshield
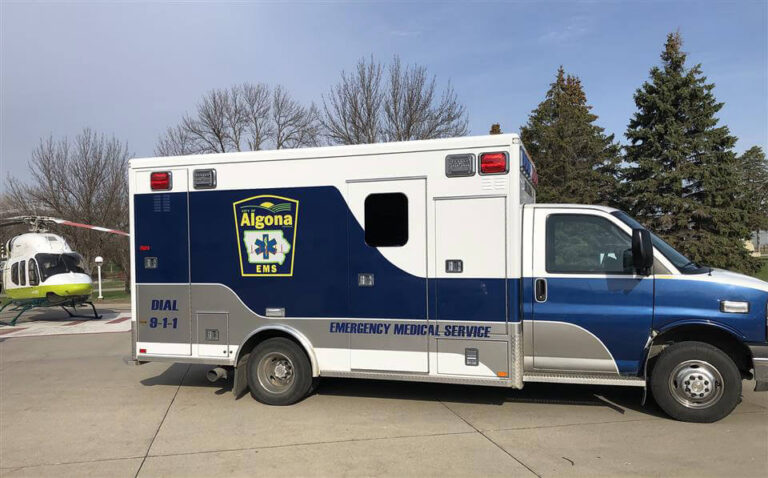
52,264
683,264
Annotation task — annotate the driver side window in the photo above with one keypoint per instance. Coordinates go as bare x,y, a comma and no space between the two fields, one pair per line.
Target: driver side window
585,244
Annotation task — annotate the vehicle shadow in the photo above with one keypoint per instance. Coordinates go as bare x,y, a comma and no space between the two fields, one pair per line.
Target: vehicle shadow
618,399
188,375
55,314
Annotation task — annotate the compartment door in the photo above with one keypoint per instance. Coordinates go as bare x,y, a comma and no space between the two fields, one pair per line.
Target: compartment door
470,245
388,275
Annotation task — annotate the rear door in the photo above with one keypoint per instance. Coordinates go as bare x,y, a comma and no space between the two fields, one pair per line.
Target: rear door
388,275
591,312
161,230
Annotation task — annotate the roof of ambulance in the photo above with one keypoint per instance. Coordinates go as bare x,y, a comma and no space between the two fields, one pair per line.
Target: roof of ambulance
462,143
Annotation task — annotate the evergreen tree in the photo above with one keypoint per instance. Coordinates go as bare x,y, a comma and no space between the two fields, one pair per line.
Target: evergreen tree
682,175
575,159
753,175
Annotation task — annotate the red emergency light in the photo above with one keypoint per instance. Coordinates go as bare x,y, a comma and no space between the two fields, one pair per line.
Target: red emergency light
494,163
160,181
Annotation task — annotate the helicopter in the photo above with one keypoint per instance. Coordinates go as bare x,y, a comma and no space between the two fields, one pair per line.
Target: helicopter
39,269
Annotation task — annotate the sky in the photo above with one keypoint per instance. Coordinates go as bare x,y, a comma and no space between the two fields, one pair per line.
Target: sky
131,69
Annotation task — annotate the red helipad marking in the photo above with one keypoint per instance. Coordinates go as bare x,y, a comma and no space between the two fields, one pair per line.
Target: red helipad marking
10,330
117,321
74,323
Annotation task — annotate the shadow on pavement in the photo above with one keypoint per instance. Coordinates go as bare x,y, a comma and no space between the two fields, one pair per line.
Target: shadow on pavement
618,399
194,377
55,314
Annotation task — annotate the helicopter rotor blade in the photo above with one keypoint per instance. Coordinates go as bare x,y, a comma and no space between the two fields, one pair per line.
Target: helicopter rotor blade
12,222
37,224
64,222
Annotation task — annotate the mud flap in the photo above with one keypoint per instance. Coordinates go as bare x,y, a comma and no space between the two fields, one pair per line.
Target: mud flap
240,385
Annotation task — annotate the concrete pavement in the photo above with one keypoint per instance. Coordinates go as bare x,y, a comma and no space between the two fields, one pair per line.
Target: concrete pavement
71,406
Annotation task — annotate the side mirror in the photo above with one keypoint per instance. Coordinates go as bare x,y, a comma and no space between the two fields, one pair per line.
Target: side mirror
642,251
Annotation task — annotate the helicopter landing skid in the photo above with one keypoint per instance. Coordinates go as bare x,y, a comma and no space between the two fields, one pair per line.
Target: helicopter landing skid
95,316
20,308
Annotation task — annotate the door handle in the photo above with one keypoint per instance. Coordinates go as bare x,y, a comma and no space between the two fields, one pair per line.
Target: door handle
541,290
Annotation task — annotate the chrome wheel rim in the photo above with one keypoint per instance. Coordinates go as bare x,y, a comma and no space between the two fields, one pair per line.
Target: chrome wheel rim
275,372
696,384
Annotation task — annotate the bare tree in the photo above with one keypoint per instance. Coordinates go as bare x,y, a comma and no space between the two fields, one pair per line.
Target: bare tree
243,117
84,180
177,141
257,104
366,107
294,125
353,108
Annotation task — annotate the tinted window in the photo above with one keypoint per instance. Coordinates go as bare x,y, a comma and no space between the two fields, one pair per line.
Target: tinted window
52,264
587,245
386,220
685,265
23,273
15,273
32,274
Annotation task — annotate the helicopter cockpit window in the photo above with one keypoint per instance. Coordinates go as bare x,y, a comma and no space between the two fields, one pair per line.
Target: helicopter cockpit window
23,273
52,264
32,273
15,273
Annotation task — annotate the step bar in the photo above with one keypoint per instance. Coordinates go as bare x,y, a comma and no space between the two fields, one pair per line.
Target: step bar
584,379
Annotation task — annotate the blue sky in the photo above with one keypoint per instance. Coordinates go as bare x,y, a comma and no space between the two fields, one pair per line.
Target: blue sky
133,68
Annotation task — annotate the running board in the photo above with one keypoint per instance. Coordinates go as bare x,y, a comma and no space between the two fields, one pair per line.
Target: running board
584,379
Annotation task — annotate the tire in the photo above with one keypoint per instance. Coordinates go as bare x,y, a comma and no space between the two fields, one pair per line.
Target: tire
279,372
695,382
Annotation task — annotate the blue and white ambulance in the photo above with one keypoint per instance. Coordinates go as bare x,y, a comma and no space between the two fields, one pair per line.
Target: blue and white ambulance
424,261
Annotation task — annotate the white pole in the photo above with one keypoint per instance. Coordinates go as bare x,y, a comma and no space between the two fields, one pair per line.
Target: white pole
100,296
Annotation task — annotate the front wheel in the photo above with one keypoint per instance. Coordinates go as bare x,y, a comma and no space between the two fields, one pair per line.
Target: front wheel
695,382
279,372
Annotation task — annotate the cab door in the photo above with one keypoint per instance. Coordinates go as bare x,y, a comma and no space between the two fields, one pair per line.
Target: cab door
591,311
387,236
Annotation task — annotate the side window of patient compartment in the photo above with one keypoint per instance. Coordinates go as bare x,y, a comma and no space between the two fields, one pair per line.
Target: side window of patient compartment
386,220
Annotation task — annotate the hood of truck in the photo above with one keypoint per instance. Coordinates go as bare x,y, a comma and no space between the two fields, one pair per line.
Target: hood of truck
695,298
734,278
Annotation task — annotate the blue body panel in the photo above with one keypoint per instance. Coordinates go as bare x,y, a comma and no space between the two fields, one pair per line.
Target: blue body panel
680,301
618,311
484,299
162,228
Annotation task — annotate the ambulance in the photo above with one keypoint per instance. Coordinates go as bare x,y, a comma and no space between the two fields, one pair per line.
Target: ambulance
424,261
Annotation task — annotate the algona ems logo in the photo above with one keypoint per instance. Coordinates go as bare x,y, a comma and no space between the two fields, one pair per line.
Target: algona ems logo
266,235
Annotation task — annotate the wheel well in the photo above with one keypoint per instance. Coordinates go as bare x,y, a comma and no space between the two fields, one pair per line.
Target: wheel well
263,335
723,340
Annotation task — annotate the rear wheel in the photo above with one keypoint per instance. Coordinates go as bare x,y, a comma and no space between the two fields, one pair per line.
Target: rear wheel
279,372
695,382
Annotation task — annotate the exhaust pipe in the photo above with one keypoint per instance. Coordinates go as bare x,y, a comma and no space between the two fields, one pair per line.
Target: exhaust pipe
216,374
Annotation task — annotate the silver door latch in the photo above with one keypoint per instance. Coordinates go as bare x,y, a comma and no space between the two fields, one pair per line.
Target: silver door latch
454,266
365,280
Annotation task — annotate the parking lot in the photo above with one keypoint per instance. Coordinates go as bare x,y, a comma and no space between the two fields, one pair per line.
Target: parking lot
72,405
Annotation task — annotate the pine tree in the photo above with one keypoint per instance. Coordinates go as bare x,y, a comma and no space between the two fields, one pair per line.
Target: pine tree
682,175
575,159
753,177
